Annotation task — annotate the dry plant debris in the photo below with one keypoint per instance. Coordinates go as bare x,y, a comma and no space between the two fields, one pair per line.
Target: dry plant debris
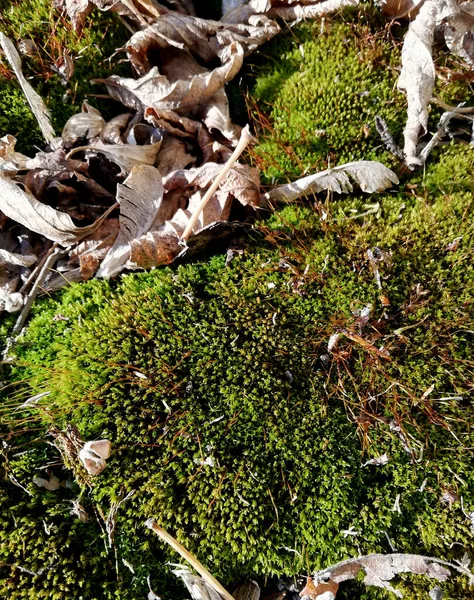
133,192
153,164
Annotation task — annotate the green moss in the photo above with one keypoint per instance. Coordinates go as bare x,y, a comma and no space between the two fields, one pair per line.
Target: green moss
320,90
52,33
230,363
216,344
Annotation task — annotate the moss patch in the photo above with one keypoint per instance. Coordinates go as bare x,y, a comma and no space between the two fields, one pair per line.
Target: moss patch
232,422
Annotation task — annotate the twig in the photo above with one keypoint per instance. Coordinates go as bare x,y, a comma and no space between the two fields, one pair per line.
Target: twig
193,561
442,125
30,299
245,139
387,138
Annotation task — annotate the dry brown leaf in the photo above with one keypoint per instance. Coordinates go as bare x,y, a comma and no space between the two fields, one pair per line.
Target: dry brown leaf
36,103
380,569
418,76
291,10
125,156
370,176
20,260
153,249
10,160
173,155
204,39
395,9
184,91
321,591
22,207
115,128
242,183
140,197
85,125
459,31
77,11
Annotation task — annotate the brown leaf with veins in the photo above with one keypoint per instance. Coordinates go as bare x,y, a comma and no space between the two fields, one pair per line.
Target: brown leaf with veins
184,88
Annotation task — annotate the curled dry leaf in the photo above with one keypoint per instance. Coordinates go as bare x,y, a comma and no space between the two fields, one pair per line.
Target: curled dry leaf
77,11
85,125
22,207
93,456
10,160
380,569
173,91
125,156
115,128
291,10
322,591
200,38
459,31
395,9
34,100
370,176
418,76
140,197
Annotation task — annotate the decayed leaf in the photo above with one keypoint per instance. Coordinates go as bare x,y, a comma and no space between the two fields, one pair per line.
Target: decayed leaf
21,260
77,11
125,156
93,456
322,591
370,176
173,155
85,125
380,569
395,9
10,160
115,128
140,197
153,249
292,10
22,207
459,31
242,182
183,90
198,588
204,39
418,76
34,100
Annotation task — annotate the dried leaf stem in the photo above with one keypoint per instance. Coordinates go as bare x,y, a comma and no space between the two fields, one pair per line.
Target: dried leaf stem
193,561
245,138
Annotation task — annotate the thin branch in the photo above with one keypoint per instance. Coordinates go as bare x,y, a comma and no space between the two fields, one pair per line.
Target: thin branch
193,561
245,139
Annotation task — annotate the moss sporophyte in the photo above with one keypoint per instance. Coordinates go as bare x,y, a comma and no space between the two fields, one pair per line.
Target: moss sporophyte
235,426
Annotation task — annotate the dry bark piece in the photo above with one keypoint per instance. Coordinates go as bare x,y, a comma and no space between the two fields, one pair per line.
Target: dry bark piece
36,103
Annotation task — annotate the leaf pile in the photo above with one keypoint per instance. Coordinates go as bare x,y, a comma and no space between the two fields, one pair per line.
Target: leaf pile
127,193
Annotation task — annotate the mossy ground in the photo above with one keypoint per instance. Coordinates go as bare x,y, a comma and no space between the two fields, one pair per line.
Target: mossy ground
238,372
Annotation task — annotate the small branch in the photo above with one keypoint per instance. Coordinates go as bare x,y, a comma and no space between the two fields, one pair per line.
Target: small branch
442,126
30,299
245,139
193,561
